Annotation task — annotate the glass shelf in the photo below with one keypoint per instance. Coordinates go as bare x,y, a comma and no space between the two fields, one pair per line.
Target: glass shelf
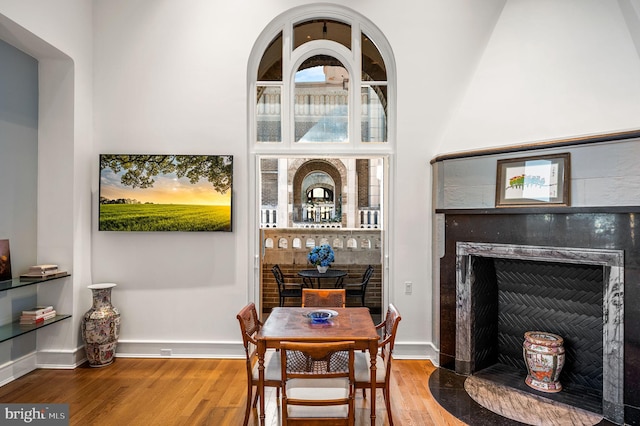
15,329
17,282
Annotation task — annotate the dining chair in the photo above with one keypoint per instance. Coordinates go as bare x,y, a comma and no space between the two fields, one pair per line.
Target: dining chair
318,383
358,289
286,290
323,298
250,324
383,360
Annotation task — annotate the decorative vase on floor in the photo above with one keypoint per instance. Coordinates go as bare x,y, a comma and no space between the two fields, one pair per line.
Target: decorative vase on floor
322,269
101,327
544,356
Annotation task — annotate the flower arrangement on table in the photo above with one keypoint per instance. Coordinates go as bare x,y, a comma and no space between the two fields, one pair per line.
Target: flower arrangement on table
321,255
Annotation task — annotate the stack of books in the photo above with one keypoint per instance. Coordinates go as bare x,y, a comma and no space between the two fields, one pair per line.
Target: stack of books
37,315
39,272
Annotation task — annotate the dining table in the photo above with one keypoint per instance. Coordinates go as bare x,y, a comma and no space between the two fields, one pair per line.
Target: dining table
291,324
310,274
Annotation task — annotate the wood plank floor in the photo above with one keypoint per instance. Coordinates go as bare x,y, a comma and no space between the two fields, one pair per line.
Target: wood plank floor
200,392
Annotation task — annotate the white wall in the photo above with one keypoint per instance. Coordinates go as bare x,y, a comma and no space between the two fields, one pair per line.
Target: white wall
553,69
170,77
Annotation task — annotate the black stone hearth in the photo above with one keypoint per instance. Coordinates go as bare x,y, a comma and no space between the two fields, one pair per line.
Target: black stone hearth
447,388
564,227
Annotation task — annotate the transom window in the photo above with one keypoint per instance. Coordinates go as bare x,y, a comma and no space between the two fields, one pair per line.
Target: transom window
322,80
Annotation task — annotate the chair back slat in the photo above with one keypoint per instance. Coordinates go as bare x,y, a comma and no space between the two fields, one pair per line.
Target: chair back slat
250,325
329,366
389,329
323,298
285,290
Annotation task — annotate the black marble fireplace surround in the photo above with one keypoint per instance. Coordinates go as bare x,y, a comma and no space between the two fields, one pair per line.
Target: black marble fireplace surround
608,229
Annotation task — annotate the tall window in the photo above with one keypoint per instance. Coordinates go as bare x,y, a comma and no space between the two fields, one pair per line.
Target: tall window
322,79
321,109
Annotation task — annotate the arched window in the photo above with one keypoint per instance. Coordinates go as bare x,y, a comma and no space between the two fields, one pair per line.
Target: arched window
321,85
323,77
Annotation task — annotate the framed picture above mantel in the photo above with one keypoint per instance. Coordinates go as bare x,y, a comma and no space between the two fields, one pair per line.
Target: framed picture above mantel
533,181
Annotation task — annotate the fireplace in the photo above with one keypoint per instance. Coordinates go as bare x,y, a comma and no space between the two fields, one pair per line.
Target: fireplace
610,234
503,290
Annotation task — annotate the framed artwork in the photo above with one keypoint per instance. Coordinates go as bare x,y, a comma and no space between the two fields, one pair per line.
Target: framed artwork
5,261
533,181
183,193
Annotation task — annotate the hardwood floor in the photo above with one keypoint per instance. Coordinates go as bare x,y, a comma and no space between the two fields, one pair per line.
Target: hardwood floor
200,392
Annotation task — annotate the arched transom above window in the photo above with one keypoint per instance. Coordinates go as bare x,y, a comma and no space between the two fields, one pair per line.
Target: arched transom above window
322,78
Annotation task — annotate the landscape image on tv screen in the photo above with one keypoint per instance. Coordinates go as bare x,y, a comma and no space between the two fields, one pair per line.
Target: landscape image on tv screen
165,192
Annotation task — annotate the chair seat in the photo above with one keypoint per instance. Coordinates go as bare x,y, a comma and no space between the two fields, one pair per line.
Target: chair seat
362,364
320,389
271,366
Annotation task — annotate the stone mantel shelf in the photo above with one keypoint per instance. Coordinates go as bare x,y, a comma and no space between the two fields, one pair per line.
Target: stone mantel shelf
543,210
557,143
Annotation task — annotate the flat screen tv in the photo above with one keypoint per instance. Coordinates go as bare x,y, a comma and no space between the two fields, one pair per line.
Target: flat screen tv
140,192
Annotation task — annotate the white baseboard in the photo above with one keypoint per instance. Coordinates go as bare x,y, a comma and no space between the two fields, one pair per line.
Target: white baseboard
179,349
51,359
415,350
61,359
176,349
17,368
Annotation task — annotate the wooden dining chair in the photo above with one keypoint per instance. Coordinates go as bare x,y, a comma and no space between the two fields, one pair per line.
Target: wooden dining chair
323,298
250,324
286,290
383,360
358,289
318,383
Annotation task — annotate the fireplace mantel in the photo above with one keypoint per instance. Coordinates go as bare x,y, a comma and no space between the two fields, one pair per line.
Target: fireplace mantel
611,309
543,210
604,214
582,231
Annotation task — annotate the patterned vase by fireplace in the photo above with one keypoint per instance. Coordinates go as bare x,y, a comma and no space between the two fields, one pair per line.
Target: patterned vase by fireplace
544,356
101,327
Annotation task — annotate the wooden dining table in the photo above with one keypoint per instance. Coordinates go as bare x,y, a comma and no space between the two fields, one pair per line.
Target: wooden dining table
291,324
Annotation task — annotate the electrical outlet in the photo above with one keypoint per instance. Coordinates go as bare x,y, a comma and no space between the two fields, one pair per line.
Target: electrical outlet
408,287
165,352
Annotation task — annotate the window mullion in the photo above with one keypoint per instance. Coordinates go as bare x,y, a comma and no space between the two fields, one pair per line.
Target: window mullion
287,100
356,110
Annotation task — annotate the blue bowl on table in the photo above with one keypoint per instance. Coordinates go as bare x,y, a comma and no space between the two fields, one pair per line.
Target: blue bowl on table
319,317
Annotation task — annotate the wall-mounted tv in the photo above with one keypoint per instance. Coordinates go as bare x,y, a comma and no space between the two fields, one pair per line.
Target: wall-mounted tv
144,193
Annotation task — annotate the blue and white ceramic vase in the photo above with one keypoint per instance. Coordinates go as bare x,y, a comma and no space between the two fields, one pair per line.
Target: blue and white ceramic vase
101,327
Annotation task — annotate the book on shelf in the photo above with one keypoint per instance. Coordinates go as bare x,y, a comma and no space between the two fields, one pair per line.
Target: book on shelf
43,268
34,276
37,319
38,310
